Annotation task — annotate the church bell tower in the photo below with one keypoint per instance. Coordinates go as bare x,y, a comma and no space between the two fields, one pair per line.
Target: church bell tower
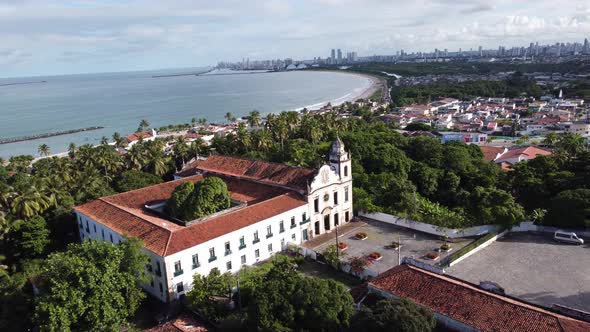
340,160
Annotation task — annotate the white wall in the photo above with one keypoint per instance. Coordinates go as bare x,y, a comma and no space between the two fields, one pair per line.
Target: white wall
202,250
327,182
431,229
99,232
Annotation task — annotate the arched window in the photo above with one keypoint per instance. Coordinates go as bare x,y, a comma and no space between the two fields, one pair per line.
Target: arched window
345,170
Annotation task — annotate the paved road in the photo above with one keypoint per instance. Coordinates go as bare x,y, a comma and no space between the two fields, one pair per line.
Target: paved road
533,267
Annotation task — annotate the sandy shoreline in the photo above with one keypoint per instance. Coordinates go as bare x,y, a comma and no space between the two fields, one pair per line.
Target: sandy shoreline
375,85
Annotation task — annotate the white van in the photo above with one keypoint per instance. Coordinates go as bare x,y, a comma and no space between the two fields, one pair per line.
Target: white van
569,237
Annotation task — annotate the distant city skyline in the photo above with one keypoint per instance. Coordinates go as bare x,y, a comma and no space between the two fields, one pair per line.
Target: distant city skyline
77,36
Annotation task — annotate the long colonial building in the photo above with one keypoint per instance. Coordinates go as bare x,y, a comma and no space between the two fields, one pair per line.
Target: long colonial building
272,205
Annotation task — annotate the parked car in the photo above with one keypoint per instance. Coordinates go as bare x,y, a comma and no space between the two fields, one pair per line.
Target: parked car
569,237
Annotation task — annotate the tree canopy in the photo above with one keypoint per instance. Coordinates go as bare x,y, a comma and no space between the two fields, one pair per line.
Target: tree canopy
134,179
91,286
395,316
288,301
190,201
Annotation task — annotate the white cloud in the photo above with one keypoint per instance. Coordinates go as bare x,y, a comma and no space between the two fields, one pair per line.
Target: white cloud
197,32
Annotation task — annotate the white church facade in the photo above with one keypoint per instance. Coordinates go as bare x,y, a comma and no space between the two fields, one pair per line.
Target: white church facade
273,205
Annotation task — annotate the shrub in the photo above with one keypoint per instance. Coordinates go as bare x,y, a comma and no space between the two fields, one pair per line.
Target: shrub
361,235
342,245
190,201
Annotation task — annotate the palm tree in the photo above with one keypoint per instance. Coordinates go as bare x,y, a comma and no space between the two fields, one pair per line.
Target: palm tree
143,125
180,149
43,150
254,118
193,121
6,195
230,117
30,203
202,121
243,136
119,142
104,141
72,150
263,139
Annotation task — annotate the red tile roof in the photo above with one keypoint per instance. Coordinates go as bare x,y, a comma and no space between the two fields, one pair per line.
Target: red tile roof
126,214
136,136
529,152
490,153
471,305
296,178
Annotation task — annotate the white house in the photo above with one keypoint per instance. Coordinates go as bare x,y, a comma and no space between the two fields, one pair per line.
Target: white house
149,135
272,205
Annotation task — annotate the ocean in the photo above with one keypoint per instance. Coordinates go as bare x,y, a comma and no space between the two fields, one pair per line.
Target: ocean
118,101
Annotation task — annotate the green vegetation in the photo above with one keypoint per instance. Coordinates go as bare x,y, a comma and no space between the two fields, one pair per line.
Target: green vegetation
570,208
558,183
91,286
131,180
287,301
274,296
210,293
457,67
420,94
190,201
394,315
36,219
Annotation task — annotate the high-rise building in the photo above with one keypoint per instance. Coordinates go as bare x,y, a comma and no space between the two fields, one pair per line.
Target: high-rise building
333,57
339,56
586,48
480,51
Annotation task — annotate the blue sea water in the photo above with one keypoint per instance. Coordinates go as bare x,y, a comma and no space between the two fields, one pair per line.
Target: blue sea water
118,101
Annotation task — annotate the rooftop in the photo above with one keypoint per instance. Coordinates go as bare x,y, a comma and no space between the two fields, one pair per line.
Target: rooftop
126,213
529,152
276,174
469,304
490,153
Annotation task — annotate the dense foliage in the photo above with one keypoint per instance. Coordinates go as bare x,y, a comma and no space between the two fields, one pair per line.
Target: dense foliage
209,293
394,315
191,201
133,179
458,67
288,301
419,94
91,286
36,207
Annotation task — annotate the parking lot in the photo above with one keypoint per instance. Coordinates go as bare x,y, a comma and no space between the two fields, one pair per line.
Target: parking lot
379,237
533,267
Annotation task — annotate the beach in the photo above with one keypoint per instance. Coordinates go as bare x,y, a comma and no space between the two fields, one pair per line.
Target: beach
119,101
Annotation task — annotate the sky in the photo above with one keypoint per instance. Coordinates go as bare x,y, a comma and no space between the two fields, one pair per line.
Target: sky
46,37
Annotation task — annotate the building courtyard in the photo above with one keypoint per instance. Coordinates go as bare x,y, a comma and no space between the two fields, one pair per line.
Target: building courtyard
379,237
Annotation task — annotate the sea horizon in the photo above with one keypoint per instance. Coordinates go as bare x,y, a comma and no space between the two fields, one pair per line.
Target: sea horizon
117,101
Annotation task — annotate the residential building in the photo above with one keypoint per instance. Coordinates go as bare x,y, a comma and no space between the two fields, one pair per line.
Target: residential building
461,306
516,155
469,138
272,205
581,128
149,135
